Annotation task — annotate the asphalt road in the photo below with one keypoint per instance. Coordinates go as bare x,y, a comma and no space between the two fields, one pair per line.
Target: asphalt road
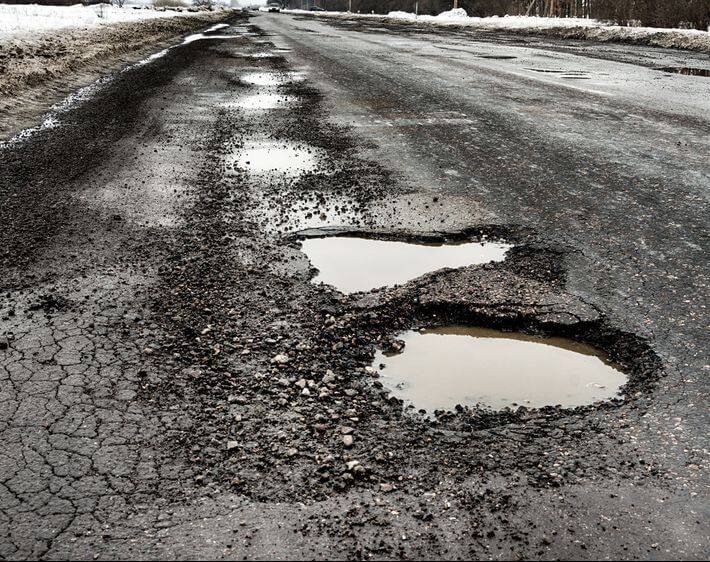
172,386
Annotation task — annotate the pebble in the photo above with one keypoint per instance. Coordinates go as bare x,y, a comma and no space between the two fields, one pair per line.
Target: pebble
348,440
281,358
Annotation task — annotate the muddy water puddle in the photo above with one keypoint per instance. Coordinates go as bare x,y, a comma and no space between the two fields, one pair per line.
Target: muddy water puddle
354,264
444,367
276,159
264,101
271,79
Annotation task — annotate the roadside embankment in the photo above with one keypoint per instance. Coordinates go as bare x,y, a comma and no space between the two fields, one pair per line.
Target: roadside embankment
37,70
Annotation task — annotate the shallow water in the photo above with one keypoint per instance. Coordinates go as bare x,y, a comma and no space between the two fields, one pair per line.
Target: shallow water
264,101
354,264
271,79
443,367
276,158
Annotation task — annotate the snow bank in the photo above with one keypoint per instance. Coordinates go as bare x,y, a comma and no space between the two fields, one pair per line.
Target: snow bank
401,16
26,19
458,13
567,28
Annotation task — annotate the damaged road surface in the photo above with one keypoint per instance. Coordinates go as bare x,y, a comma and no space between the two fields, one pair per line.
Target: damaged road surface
174,385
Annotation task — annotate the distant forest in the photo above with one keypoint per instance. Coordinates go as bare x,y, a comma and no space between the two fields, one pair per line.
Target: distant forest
654,13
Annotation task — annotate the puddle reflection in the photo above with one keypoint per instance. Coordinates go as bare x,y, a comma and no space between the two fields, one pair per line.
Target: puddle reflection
358,264
274,158
443,367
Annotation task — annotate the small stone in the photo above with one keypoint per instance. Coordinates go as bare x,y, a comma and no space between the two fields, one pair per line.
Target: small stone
281,358
348,440
352,464
292,452
305,392
232,445
345,430
283,382
329,377
301,383
384,487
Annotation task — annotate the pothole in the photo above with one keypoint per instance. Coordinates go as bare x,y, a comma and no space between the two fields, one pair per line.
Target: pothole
264,101
687,71
271,78
498,57
441,368
352,264
276,158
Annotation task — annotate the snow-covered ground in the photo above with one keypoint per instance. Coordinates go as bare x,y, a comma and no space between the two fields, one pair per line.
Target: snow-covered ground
584,28
21,20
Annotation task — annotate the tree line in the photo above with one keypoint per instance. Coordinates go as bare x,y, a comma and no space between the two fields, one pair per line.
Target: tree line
655,13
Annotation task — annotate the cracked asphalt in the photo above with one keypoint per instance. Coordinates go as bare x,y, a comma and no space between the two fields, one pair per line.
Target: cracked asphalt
173,386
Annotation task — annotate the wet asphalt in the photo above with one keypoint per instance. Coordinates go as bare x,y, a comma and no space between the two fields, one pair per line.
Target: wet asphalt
172,385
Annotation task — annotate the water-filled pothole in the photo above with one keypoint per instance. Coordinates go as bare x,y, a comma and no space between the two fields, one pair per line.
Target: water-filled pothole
444,367
271,78
353,264
687,71
274,158
264,101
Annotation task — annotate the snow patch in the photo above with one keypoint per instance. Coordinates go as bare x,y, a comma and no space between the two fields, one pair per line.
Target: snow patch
17,20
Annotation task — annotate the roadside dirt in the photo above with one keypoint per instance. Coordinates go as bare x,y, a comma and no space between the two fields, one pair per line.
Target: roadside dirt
37,72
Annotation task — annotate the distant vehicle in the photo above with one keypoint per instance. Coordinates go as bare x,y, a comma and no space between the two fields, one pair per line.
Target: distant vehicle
273,6
316,9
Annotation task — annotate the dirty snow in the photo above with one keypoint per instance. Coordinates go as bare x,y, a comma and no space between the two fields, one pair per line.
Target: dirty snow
21,20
